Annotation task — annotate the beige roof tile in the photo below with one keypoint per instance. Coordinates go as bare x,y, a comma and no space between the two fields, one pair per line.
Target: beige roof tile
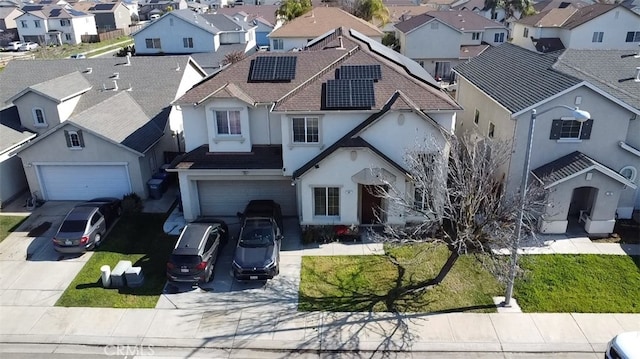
322,19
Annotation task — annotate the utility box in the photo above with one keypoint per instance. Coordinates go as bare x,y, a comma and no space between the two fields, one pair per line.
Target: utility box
134,277
117,274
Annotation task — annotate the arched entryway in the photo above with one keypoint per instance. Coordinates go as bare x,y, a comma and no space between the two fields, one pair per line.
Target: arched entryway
583,202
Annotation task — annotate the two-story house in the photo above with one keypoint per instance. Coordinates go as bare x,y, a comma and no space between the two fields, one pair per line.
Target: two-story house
439,40
315,130
263,17
295,34
148,8
102,125
54,24
8,17
186,32
589,167
108,15
598,26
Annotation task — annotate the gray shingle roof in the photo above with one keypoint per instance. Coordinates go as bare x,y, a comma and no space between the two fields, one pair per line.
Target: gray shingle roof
605,69
260,157
462,20
11,131
225,22
515,77
571,165
153,83
60,88
191,17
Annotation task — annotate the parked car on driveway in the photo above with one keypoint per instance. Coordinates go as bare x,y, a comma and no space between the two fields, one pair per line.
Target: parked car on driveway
264,208
28,46
624,346
257,253
86,225
194,256
13,46
78,56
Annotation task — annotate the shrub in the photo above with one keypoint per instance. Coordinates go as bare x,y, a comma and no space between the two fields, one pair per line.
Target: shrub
132,203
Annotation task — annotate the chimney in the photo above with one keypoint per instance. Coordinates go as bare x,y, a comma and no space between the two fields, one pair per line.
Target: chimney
115,85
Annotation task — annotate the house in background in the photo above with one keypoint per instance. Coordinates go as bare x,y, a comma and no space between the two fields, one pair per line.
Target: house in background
8,17
439,40
12,136
589,168
546,5
262,17
400,13
321,20
312,130
108,15
186,32
158,7
598,26
103,125
54,24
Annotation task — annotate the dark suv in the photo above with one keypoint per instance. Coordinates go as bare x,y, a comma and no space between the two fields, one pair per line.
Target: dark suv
196,251
257,254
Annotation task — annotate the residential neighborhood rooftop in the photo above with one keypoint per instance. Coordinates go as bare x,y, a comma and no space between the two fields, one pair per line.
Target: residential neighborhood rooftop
568,17
319,20
462,20
11,131
252,12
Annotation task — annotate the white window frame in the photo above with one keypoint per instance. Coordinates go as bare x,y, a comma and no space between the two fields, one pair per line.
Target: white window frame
278,44
573,122
325,198
475,36
74,140
230,130
65,22
36,118
634,38
307,125
187,42
498,37
597,37
155,43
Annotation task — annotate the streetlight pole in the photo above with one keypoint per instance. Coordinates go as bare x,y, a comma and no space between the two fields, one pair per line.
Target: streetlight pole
580,116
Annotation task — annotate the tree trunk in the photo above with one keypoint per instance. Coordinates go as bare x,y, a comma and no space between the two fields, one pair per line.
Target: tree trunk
453,257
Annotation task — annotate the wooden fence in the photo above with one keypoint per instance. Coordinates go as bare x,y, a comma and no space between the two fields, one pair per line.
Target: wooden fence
112,34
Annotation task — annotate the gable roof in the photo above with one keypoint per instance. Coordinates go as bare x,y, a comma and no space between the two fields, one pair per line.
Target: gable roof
150,82
399,13
11,131
516,77
58,89
252,12
572,165
316,65
461,20
6,11
260,157
569,17
321,19
588,13
49,11
558,4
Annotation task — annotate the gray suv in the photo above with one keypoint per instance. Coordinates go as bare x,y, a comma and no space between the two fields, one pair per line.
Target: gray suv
194,256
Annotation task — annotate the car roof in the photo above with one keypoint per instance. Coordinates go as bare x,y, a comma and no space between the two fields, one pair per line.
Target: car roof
627,344
81,213
191,237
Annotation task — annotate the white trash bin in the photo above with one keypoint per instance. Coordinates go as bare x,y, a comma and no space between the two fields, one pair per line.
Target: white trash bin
106,275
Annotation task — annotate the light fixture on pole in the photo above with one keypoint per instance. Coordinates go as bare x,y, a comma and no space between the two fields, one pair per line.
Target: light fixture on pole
580,116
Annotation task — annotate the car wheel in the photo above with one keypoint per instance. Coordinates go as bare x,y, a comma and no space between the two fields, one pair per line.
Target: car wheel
97,240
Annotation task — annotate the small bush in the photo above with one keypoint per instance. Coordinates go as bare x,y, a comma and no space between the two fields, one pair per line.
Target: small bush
132,203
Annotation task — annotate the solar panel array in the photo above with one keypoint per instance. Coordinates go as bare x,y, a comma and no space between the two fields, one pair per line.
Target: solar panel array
349,93
368,72
28,8
55,12
273,68
101,7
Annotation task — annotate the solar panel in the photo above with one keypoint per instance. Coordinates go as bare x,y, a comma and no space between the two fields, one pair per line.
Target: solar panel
342,93
55,12
100,7
273,68
32,8
371,72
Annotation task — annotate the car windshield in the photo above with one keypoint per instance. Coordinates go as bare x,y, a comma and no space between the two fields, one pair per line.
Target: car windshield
73,226
256,235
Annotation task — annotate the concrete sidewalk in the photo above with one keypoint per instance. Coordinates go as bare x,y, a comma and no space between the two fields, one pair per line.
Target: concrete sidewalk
314,331
562,244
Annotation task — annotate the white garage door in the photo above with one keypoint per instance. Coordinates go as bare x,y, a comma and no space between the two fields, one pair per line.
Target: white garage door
226,198
83,182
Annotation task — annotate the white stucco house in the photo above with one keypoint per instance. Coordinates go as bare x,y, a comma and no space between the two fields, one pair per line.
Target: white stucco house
295,34
589,168
102,126
187,32
54,24
314,130
439,40
597,26
12,136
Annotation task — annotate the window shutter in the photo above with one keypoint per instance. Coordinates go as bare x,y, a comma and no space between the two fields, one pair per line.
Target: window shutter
80,138
556,126
585,134
66,137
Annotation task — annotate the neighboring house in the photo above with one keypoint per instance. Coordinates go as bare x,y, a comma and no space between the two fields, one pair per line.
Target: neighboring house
589,168
296,33
598,26
158,7
439,40
108,15
633,5
400,13
315,130
559,4
186,32
262,17
8,17
54,24
103,125
12,136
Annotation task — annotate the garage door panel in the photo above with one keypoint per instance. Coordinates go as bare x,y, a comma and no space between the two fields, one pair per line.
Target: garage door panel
227,198
83,182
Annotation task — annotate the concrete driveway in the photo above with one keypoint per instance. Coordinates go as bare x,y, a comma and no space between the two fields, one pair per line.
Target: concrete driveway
32,273
226,294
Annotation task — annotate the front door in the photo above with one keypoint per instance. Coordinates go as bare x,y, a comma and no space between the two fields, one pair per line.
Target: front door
370,205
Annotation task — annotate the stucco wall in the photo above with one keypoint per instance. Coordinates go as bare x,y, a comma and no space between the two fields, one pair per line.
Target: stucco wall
425,42
615,24
171,37
13,179
54,113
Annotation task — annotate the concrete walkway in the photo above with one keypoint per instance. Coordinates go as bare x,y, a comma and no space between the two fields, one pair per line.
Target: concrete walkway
562,244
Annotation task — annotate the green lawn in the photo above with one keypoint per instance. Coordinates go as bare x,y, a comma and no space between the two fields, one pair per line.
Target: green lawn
585,283
9,224
370,283
138,238
66,50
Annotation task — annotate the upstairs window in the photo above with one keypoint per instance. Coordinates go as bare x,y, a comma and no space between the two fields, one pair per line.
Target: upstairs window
525,32
187,42
228,122
570,130
597,36
633,36
67,37
23,24
153,43
38,117
65,22
476,117
475,36
305,130
498,37
74,139
491,132
278,44
37,23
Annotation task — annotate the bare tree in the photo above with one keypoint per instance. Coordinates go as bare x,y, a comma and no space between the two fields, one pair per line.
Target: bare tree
233,57
457,201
